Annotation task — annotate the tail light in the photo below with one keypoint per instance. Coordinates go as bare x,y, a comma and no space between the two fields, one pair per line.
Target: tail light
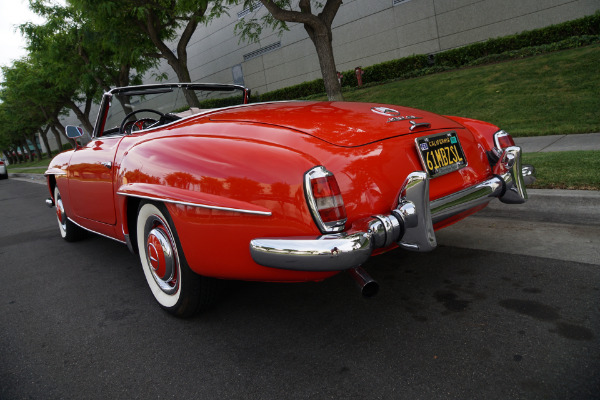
502,140
325,200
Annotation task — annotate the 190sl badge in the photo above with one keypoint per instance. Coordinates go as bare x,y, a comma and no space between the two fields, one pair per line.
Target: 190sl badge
395,115
388,112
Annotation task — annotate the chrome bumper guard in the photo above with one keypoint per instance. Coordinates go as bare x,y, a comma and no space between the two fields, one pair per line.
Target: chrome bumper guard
410,225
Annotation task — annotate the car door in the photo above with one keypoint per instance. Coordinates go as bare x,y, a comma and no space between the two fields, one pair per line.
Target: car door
91,174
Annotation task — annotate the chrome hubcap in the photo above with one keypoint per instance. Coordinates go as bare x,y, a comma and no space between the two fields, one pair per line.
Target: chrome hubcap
60,212
161,258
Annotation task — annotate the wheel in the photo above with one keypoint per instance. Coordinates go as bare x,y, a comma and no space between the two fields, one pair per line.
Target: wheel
68,230
178,289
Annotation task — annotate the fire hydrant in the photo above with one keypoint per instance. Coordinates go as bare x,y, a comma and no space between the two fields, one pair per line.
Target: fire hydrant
359,73
340,76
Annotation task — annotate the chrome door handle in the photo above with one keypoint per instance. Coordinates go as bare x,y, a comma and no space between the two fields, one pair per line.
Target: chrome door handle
107,164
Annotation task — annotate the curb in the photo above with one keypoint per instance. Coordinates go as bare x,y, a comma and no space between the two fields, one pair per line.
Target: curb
36,178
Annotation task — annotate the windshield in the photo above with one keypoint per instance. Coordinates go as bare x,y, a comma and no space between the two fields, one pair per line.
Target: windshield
155,105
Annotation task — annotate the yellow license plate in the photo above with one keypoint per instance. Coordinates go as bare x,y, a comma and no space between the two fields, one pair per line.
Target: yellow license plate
441,154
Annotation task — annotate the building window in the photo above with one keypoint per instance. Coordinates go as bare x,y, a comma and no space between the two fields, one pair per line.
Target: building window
398,2
253,7
261,51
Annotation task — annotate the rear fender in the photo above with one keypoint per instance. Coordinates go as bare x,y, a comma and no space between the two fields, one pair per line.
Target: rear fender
221,193
173,195
483,131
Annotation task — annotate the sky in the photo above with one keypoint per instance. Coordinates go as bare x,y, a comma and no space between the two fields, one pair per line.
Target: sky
12,14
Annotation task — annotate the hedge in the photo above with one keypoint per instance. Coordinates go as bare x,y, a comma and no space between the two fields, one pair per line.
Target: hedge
537,37
569,34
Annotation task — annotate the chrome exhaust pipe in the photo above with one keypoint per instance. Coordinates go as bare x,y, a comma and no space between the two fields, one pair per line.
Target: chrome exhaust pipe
367,285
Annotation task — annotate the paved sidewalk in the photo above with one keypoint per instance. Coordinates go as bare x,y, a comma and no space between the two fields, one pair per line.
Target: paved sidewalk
585,141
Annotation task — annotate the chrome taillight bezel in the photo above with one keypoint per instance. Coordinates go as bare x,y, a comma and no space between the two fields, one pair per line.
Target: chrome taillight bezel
502,133
324,227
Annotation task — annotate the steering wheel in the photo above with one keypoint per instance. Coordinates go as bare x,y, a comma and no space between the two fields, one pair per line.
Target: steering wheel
123,128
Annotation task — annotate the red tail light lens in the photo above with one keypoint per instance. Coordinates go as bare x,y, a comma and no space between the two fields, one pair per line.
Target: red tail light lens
502,140
325,200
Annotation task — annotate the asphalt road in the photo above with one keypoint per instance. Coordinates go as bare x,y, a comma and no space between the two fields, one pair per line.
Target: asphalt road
77,321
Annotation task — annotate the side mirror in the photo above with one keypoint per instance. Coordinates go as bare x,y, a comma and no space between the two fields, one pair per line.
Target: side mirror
73,132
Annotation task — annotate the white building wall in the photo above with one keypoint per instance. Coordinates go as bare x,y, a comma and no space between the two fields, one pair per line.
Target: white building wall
366,32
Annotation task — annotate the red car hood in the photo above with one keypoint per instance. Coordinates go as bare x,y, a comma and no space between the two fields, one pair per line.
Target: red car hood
340,123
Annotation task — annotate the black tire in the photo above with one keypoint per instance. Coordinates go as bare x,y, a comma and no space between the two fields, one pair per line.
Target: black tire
68,230
176,288
4,176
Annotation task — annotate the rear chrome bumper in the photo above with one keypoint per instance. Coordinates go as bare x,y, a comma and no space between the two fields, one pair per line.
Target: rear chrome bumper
410,225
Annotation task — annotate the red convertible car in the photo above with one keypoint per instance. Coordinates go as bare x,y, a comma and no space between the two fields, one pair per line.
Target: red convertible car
282,192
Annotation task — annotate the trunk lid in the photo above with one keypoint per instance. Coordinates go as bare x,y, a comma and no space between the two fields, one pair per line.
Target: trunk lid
340,123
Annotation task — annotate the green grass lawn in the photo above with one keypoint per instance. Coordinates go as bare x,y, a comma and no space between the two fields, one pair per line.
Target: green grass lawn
556,93
35,167
566,169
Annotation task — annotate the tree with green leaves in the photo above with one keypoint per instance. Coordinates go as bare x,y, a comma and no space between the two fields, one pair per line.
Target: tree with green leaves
163,22
318,27
82,60
31,102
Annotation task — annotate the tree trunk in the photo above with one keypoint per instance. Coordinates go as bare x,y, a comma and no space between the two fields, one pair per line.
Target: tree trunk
38,152
179,64
318,28
61,128
25,148
83,118
44,135
57,137
125,103
184,76
322,40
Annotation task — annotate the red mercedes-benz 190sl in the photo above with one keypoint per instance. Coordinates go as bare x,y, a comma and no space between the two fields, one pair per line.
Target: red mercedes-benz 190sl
282,192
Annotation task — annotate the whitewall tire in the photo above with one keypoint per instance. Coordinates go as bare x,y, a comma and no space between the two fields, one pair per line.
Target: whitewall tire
68,230
174,285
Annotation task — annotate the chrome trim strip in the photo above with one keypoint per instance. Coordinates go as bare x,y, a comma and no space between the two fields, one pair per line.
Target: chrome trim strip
185,203
54,173
97,233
